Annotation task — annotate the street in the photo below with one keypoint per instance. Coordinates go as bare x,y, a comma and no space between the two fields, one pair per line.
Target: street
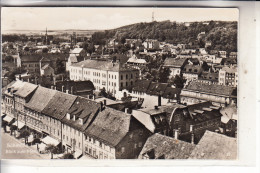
12,148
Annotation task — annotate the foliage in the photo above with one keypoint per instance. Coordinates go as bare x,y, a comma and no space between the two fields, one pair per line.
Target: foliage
177,81
52,149
222,34
68,156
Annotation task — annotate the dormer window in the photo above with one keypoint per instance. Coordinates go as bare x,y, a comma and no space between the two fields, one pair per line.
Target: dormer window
80,121
68,116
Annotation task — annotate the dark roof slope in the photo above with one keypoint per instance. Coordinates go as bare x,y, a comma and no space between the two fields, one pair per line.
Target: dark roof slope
78,86
167,147
59,105
211,88
171,93
82,108
175,62
193,69
110,126
26,89
215,146
40,99
156,88
211,76
142,85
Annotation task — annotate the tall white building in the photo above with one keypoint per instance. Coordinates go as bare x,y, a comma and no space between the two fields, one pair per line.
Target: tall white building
104,74
228,76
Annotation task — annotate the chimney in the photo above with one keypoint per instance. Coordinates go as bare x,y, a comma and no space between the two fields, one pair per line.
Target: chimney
105,102
192,138
67,91
126,110
52,87
62,88
101,106
28,80
71,90
159,100
94,97
156,107
191,128
54,80
176,134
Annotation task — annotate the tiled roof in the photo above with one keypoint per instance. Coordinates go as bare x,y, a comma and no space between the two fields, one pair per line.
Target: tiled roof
176,62
26,89
215,146
211,88
171,93
59,105
211,76
160,146
82,108
156,88
142,85
40,98
193,69
103,65
110,126
78,86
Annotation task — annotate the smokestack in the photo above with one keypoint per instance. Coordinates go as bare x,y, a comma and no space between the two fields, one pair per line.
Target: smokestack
126,110
176,134
105,102
192,138
62,88
159,100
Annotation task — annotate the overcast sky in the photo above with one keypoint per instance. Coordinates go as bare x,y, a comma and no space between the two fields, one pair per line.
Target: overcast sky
104,18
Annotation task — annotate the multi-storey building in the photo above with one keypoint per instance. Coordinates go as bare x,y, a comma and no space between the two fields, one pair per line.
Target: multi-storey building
34,108
196,92
228,76
175,65
104,74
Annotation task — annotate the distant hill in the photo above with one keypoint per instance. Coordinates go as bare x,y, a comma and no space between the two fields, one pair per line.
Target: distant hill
222,35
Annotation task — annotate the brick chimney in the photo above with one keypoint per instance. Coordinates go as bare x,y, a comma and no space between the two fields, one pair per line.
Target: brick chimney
176,134
192,138
159,100
126,110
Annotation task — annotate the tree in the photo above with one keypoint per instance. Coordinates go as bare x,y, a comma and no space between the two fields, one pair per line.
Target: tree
45,50
177,81
52,149
25,134
68,156
103,92
164,75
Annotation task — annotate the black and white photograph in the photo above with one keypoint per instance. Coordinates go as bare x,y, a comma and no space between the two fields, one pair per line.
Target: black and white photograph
119,83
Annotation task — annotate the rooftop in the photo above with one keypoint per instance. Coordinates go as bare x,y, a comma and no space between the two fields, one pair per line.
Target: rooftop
215,146
160,146
176,62
26,89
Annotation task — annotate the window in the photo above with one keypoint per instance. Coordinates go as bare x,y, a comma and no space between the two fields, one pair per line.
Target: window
131,76
100,144
122,84
122,149
126,84
121,77
126,76
131,83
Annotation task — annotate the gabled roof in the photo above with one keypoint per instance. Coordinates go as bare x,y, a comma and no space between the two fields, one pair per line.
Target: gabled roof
156,88
59,105
215,146
84,109
40,98
175,62
142,85
171,93
103,65
211,76
26,89
167,147
211,88
193,69
110,126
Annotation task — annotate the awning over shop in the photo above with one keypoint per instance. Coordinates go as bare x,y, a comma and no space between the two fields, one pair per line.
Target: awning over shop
20,125
77,154
49,140
8,118
41,147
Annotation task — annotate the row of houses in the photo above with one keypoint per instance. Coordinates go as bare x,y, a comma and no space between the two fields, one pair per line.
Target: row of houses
76,124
